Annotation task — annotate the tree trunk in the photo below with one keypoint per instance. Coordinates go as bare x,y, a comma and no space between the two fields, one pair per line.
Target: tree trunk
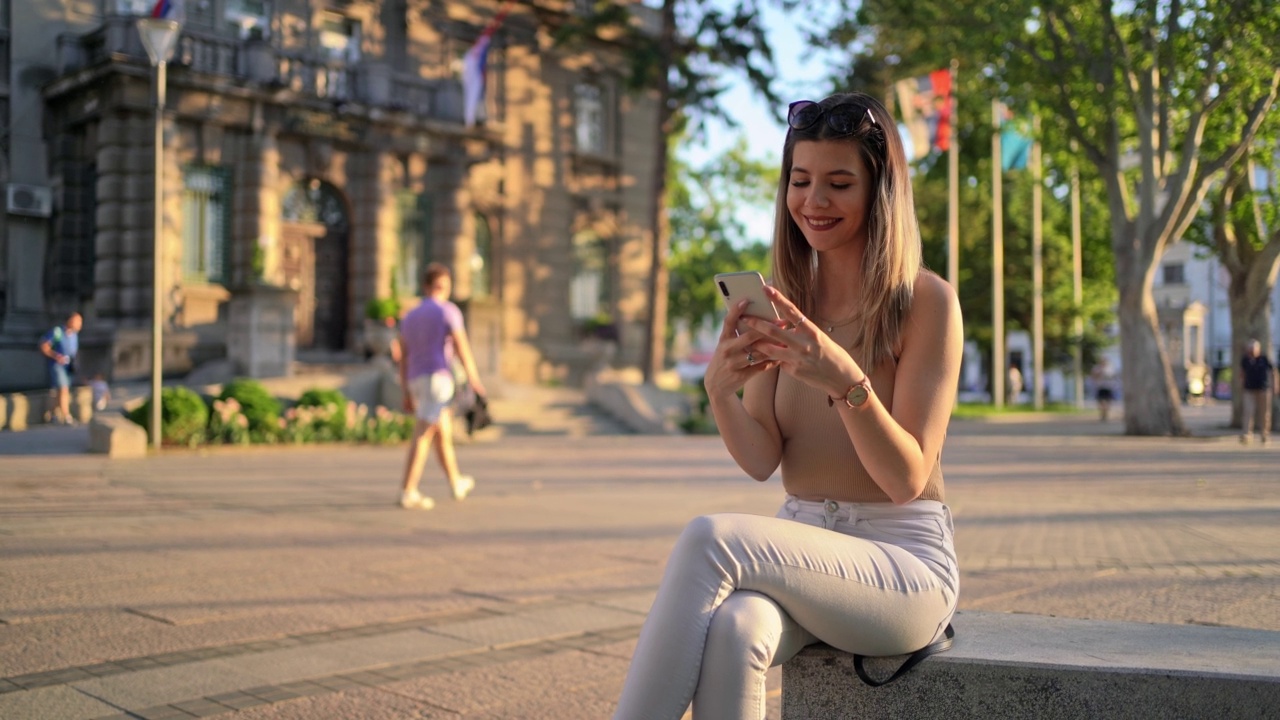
1151,403
656,331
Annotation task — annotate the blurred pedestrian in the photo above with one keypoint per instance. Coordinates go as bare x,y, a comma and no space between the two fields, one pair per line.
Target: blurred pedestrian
849,392
1015,384
429,336
61,345
101,392
1259,384
1104,387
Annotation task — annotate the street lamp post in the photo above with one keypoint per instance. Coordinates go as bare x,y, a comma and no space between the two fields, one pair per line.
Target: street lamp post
159,36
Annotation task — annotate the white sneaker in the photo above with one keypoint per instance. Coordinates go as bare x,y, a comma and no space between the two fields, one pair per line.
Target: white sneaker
416,501
464,486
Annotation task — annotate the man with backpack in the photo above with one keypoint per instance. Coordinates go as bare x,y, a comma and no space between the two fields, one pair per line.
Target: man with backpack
61,345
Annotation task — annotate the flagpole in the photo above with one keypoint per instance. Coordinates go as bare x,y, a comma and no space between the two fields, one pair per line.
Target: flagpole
953,186
1077,290
1037,266
997,262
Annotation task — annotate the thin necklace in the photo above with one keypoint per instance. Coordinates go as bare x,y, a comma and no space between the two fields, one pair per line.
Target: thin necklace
833,325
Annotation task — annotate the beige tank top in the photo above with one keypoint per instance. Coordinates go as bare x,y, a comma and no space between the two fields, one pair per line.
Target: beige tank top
818,460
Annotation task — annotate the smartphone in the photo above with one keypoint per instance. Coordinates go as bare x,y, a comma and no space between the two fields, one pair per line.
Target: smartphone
737,286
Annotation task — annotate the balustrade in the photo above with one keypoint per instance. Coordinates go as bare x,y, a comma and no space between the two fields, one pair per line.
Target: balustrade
256,62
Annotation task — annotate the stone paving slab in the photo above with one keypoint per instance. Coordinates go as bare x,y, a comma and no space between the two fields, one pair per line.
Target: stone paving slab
131,571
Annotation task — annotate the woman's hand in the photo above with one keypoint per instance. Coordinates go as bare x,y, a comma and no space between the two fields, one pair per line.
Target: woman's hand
736,358
802,350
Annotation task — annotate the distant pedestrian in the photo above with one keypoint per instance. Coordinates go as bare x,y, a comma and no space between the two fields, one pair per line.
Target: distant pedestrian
61,345
1015,384
101,392
1104,387
429,336
1258,383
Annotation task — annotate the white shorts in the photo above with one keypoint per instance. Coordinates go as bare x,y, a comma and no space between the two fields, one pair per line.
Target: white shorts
431,395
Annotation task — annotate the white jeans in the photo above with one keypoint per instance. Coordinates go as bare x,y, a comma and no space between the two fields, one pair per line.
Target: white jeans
742,593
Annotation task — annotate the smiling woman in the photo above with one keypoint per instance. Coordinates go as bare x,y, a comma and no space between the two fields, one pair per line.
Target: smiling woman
852,410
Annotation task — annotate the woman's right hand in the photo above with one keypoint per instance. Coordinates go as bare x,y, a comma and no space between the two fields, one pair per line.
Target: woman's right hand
733,362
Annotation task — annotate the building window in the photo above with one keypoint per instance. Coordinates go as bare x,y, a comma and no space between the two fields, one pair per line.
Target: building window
248,18
206,226
415,241
482,259
1174,274
589,287
589,118
339,36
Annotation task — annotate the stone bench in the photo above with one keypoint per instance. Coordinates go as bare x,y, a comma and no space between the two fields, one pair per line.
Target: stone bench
117,436
1029,666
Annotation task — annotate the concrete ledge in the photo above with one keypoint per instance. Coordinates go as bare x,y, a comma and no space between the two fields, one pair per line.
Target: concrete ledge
645,409
1029,666
117,436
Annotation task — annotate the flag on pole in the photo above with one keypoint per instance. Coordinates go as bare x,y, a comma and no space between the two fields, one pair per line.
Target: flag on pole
167,10
474,64
1015,144
925,105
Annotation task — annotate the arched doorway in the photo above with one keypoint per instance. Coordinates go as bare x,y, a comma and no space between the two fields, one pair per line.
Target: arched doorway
317,240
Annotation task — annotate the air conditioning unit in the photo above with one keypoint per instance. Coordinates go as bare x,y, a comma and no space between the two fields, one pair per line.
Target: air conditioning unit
30,200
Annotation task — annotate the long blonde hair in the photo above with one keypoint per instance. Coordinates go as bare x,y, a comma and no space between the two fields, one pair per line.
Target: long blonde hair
892,258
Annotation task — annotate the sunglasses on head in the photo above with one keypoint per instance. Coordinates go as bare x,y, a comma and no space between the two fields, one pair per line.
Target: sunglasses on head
843,119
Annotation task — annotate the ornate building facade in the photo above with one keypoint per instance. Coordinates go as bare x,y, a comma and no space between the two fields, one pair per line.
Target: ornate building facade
320,145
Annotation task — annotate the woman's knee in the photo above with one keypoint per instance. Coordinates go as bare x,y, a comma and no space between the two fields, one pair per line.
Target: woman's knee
747,625
707,530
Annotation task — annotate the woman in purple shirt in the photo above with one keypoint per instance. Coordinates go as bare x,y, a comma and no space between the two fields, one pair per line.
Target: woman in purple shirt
429,336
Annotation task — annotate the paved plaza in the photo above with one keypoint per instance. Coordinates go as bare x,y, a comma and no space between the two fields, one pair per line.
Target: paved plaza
284,583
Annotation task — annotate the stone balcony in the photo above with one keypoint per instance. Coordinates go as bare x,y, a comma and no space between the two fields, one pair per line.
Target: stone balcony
206,57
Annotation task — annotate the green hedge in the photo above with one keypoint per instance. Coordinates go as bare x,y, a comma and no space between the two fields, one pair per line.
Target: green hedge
183,416
332,423
246,413
257,404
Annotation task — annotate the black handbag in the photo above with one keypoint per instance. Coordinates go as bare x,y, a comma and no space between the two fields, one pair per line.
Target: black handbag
914,659
478,417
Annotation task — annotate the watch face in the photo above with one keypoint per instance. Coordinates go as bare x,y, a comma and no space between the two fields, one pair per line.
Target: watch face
857,395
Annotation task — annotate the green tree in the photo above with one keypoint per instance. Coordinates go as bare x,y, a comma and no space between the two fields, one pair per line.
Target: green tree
685,62
880,56
1243,230
1162,99
709,233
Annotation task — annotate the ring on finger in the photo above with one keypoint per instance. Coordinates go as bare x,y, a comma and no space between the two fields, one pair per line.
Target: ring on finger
751,359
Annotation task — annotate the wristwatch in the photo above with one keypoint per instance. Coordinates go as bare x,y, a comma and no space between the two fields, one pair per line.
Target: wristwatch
856,396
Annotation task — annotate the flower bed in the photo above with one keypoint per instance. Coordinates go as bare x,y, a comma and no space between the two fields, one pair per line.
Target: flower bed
245,413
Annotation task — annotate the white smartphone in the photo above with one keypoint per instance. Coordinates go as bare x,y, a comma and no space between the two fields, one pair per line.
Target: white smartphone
737,286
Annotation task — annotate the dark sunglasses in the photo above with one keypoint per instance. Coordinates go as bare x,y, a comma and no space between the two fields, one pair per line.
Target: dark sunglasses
843,119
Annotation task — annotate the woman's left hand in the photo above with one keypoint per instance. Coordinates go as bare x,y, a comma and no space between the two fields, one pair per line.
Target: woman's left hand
803,350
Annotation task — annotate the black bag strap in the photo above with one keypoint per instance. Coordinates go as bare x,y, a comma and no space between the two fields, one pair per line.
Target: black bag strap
915,658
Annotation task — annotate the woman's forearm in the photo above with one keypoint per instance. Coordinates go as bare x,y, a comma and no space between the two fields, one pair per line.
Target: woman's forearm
752,447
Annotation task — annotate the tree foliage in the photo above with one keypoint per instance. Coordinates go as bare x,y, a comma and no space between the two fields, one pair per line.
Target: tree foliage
709,233
1161,98
685,59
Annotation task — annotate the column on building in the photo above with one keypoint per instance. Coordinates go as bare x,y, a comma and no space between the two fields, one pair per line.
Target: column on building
111,154
256,227
451,220
371,183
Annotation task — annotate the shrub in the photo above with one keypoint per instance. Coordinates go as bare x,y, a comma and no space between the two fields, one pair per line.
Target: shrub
380,309
183,416
227,424
330,420
257,404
